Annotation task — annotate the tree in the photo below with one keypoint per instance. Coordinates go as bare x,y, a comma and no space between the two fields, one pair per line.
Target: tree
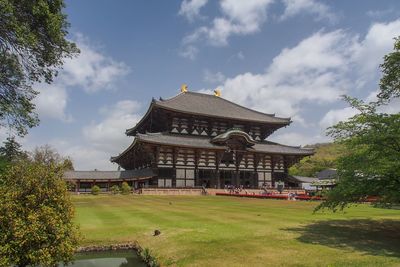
11,150
373,167
325,157
36,215
33,46
47,155
10,153
125,188
390,81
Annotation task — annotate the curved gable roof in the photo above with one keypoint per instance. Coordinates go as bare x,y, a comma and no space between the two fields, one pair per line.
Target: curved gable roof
205,142
211,106
231,133
214,106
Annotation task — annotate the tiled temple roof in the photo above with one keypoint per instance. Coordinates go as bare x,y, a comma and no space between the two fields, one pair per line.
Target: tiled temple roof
327,174
212,106
205,142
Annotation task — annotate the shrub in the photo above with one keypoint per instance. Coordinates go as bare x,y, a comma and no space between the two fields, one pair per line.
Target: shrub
95,190
148,258
115,189
125,188
36,226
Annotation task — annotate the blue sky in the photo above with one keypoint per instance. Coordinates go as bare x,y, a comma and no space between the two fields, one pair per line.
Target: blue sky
290,57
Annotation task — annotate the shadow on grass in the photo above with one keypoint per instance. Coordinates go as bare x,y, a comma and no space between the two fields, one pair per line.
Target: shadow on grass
367,236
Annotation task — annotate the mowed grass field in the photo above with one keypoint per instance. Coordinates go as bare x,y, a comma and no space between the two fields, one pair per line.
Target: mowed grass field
229,231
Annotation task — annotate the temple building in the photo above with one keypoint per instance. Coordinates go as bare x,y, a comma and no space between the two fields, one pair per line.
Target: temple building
196,139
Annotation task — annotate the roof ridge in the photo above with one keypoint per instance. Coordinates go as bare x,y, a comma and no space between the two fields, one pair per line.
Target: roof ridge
275,143
171,98
224,99
238,105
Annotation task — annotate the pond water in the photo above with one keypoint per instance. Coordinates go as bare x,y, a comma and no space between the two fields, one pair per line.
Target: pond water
126,258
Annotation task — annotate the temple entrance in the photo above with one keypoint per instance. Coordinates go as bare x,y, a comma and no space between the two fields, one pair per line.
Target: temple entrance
206,178
227,178
248,179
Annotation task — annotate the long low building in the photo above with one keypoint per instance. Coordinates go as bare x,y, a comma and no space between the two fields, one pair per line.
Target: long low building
83,181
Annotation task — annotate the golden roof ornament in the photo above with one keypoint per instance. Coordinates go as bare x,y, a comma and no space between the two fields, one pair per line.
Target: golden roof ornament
184,88
217,92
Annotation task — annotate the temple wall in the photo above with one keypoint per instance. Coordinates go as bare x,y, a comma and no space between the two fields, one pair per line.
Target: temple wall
203,127
185,167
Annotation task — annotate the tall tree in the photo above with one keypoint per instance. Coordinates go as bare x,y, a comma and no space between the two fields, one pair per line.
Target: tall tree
48,155
390,82
36,226
33,46
11,150
372,168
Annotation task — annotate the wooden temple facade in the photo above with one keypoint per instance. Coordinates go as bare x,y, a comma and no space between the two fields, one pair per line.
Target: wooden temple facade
196,139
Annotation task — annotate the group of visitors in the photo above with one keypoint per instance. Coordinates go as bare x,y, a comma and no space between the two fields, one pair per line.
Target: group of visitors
235,189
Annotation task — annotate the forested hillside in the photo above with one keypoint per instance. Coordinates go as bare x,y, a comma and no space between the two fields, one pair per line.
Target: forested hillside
325,157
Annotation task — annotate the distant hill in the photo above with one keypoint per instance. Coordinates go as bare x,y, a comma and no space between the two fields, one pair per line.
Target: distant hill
325,157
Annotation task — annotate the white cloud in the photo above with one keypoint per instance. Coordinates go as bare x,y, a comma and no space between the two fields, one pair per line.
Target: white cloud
309,73
392,107
101,139
191,9
320,10
109,134
91,71
296,139
98,141
89,158
243,18
213,77
238,18
189,52
334,116
240,55
52,102
368,54
378,42
313,73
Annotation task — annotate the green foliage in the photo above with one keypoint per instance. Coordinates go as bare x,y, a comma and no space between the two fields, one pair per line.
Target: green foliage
148,258
36,215
373,167
11,150
47,155
95,190
325,157
115,189
68,164
33,46
4,164
390,82
125,188
10,153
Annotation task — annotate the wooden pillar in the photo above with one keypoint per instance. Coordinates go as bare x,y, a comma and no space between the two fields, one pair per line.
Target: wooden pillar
218,157
272,171
174,158
108,185
78,185
196,167
238,159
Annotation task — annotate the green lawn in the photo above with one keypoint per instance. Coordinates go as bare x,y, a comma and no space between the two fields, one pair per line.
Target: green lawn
228,231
